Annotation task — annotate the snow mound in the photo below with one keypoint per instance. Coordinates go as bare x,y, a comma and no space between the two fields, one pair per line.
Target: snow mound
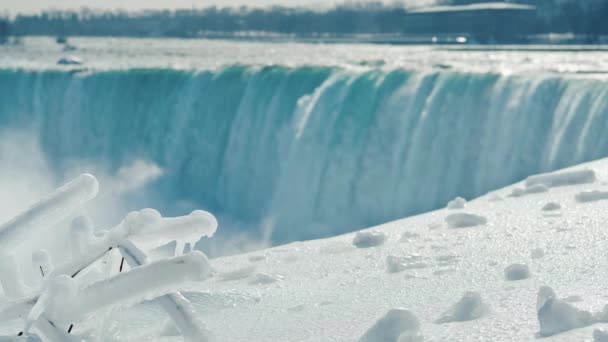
562,178
457,203
517,272
468,308
398,325
551,206
591,196
556,316
369,239
600,335
465,220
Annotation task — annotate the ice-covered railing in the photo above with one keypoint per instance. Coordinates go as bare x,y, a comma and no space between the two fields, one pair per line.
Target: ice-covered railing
49,312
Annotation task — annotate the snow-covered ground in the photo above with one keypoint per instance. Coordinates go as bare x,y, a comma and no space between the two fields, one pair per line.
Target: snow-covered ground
485,270
330,290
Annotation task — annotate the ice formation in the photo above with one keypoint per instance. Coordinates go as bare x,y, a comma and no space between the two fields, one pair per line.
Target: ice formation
397,325
556,316
468,308
62,299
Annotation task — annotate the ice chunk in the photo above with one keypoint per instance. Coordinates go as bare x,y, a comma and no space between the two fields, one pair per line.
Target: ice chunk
562,178
369,239
468,308
457,203
517,272
48,212
534,189
591,196
551,206
464,220
556,316
398,325
600,335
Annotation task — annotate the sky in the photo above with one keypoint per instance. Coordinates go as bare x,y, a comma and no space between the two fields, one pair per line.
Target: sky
33,6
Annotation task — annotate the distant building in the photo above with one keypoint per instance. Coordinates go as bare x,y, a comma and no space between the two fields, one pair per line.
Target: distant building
487,22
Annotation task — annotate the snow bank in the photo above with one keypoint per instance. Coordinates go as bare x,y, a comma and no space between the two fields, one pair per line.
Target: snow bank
562,178
556,316
369,239
464,220
398,325
517,272
468,308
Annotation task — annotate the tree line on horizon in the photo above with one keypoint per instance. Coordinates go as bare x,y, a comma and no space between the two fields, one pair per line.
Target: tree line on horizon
552,16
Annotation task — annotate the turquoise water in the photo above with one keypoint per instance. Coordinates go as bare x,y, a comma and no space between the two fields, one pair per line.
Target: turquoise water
306,151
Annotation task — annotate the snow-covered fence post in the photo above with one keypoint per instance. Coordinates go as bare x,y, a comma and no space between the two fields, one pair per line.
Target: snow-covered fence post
61,301
175,304
42,215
